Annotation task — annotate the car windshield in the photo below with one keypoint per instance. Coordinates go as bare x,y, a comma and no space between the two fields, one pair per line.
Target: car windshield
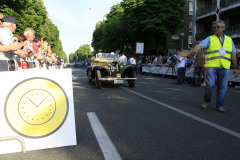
107,55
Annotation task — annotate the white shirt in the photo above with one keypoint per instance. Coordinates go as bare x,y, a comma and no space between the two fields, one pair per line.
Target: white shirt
180,62
5,39
123,59
5,36
132,61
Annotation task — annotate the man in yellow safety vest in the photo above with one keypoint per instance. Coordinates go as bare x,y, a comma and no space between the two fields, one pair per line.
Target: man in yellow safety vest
220,51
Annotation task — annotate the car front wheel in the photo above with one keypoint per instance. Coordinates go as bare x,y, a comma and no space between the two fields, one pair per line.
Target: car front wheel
131,83
98,82
89,74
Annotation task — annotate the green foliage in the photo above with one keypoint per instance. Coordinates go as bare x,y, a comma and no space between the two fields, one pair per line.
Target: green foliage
72,57
148,21
83,52
33,14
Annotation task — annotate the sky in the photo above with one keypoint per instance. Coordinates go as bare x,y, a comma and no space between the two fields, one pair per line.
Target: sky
76,19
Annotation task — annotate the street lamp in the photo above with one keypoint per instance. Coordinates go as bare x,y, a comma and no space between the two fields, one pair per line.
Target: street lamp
182,35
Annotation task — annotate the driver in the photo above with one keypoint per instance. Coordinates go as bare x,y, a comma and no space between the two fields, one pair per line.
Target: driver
100,55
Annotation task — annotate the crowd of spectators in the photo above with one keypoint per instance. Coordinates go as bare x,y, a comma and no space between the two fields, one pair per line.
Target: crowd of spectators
159,60
25,50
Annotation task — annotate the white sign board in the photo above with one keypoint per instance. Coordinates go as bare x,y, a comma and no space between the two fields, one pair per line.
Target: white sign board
139,48
38,106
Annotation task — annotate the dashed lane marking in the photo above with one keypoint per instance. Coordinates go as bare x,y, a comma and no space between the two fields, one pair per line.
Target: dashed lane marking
106,145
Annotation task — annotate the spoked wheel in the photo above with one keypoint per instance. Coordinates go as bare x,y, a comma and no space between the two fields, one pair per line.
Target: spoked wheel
98,82
131,83
89,74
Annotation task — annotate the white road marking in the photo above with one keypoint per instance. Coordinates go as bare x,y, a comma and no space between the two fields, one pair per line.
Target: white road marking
221,128
106,145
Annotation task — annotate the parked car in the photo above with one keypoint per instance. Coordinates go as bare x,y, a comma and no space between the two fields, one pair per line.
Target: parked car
107,67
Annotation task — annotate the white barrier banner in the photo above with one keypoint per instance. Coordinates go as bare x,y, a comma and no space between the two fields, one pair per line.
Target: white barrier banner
173,71
38,107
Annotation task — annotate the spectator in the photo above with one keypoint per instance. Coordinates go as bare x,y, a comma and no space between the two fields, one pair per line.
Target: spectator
123,59
30,34
6,45
36,42
42,51
22,40
59,62
48,57
189,61
238,57
198,65
1,19
132,61
180,69
164,59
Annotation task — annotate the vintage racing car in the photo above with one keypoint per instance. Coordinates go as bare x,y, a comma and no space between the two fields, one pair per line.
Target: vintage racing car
107,67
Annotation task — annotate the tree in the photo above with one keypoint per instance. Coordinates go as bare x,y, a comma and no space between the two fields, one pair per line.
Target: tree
155,18
72,57
33,14
132,21
84,51
97,41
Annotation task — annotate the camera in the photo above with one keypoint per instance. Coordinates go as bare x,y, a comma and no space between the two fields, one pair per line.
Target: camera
2,20
14,40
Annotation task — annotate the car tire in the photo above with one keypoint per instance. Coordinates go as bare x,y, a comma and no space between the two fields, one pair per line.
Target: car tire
131,83
89,76
98,82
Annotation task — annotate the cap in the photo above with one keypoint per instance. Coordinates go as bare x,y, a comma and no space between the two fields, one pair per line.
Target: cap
11,20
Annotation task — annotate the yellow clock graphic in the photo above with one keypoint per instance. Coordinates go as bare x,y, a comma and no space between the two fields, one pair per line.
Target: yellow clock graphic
36,107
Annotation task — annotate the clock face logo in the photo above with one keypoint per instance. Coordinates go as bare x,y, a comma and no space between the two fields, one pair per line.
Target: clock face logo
36,107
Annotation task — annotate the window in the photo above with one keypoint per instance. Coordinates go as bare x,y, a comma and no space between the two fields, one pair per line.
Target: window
190,25
189,39
190,8
175,38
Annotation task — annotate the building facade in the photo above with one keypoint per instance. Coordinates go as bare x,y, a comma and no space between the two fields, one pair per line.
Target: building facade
182,39
207,11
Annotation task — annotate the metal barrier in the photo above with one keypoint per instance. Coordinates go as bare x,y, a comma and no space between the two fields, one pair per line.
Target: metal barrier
20,139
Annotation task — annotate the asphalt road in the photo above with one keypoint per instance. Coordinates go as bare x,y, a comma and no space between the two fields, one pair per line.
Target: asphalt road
156,120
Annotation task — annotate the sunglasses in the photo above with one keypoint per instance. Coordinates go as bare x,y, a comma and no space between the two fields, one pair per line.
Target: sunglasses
217,27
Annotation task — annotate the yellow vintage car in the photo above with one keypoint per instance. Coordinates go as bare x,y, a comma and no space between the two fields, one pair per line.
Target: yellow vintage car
107,67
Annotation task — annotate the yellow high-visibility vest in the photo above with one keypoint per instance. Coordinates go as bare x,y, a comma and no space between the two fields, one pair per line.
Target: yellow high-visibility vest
213,56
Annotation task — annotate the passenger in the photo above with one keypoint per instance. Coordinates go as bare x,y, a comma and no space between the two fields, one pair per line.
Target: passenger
112,55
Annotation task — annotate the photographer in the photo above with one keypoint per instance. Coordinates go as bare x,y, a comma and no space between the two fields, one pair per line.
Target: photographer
1,19
172,60
180,69
6,45
6,34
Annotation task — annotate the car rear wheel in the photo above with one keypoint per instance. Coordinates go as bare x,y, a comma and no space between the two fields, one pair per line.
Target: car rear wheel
98,82
89,74
131,83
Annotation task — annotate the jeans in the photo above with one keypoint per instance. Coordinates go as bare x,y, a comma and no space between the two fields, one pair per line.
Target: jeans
197,76
180,74
222,83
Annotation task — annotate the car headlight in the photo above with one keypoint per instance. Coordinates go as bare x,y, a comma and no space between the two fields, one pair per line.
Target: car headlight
122,65
108,65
